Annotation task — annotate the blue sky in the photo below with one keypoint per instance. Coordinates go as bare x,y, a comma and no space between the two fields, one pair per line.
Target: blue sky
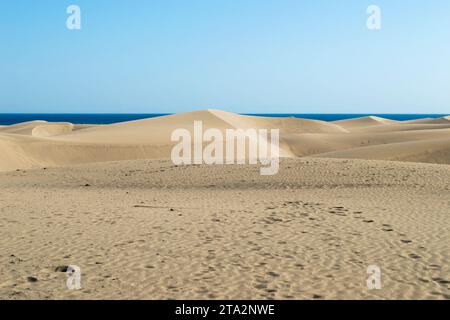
248,56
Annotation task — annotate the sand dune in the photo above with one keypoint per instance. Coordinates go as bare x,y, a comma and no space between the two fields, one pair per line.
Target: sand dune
310,144
25,128
402,126
364,122
52,129
431,151
42,144
442,120
158,130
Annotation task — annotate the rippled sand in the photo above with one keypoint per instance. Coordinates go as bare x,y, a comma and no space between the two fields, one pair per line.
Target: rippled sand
150,230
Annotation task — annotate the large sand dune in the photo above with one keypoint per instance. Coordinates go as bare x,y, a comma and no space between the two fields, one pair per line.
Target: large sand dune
42,144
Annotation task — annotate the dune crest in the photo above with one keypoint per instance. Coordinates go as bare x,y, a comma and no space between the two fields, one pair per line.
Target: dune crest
442,120
52,129
364,122
24,128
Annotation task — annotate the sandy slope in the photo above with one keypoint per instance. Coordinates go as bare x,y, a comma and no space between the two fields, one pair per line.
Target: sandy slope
432,151
148,230
41,144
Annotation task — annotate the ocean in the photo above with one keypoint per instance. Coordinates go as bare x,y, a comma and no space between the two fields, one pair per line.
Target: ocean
13,118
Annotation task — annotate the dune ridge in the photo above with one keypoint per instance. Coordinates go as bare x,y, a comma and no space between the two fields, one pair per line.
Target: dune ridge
441,120
37,144
364,121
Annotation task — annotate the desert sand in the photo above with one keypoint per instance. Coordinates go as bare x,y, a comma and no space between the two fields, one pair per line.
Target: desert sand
108,199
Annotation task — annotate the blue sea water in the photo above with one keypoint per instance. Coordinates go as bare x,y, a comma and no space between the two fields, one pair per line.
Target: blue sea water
13,118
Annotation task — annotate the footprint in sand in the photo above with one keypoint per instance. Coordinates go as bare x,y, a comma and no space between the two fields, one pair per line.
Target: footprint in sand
61,268
414,256
32,279
273,274
441,281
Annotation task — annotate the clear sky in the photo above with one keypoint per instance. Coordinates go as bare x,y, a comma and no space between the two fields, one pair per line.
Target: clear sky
248,56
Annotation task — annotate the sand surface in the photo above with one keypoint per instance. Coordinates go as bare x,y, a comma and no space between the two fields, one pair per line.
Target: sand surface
144,228
150,230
